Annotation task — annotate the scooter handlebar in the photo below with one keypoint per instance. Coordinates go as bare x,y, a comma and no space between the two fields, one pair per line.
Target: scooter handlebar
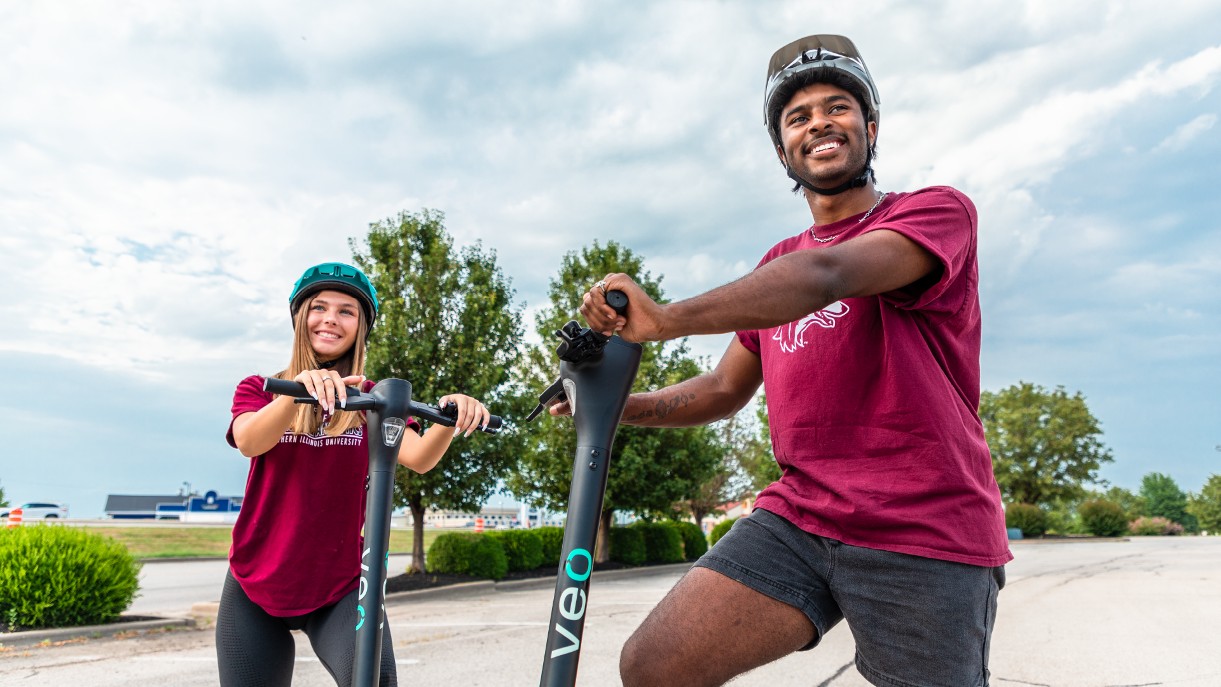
359,400
617,300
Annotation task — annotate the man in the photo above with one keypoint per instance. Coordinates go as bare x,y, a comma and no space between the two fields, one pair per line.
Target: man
865,331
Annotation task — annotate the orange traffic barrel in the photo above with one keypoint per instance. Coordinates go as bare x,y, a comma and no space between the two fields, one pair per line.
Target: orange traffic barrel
14,517
478,524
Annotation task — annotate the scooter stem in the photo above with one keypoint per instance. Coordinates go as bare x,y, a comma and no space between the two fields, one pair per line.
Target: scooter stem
386,425
597,391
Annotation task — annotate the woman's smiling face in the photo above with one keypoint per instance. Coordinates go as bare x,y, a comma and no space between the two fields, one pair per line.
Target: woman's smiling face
333,321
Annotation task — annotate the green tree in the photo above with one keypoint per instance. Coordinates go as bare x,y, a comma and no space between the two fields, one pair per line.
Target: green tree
1133,505
1164,498
754,453
1206,506
3,499
447,324
650,469
1046,445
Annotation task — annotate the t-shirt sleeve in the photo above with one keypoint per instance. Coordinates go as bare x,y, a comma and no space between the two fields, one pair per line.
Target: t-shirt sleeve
942,221
249,397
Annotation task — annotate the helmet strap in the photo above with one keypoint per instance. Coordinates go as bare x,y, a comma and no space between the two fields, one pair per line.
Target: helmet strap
857,182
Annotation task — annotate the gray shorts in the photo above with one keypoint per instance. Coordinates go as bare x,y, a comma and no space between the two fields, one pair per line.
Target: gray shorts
916,621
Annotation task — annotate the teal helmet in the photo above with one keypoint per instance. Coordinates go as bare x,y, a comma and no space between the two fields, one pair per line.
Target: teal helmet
339,277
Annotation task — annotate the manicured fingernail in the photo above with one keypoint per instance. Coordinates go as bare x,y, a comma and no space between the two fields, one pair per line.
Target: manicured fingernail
457,431
343,403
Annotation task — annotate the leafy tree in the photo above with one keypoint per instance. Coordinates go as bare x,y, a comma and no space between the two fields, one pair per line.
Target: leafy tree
1045,444
1133,505
1206,506
650,469
3,499
1164,498
447,324
754,454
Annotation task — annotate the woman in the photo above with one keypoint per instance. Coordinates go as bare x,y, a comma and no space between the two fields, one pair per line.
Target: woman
295,560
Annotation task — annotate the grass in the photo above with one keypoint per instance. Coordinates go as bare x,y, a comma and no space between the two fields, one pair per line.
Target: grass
169,541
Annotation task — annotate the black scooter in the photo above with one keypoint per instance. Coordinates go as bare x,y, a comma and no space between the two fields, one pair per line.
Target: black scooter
387,406
596,376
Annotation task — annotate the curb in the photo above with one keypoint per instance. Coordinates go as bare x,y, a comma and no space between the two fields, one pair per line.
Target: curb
532,583
1069,540
204,613
85,632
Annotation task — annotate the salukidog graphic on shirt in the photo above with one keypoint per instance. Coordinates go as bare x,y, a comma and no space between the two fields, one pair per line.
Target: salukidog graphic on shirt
793,335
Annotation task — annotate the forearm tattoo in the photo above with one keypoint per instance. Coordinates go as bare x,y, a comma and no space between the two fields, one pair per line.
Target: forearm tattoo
662,408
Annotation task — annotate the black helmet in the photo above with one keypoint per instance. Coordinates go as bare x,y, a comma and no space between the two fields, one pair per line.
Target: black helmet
340,277
822,58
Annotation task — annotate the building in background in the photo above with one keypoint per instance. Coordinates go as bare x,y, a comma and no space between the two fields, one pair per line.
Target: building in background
208,507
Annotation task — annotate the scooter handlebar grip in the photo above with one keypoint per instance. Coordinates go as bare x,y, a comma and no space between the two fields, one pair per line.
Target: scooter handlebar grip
617,300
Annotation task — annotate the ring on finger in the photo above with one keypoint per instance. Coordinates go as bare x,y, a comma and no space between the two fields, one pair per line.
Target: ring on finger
601,285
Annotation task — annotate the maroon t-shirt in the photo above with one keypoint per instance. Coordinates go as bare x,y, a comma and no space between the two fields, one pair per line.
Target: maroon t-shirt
296,543
873,402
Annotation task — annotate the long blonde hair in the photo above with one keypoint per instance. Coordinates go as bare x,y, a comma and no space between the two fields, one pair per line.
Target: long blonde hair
309,417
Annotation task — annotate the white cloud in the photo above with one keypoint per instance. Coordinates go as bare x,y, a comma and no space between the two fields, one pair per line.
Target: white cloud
1184,135
167,171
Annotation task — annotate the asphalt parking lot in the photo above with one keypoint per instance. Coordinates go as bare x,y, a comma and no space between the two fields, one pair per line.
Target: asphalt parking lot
1132,612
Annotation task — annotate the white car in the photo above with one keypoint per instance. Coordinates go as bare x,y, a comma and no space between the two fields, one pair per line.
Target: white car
42,510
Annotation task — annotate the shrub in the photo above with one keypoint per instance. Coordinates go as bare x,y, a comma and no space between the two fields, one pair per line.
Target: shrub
662,542
466,553
1155,526
523,548
627,545
54,576
1029,518
719,530
694,541
1103,518
552,539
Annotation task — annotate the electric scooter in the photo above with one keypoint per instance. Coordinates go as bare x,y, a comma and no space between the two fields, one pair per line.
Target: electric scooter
387,406
596,376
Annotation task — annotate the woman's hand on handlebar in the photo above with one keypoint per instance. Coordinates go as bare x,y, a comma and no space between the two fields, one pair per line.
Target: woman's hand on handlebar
327,387
472,414
643,321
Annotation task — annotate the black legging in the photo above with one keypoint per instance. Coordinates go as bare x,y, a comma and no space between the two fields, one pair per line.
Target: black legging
256,649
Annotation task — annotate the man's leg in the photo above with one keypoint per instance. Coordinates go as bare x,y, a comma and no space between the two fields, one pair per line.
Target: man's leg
759,594
708,629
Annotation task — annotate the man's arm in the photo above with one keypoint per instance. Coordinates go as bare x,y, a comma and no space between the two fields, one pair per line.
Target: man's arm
781,291
700,400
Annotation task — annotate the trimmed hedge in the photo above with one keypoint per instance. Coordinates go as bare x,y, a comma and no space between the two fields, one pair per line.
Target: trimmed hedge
552,539
627,545
662,542
694,541
1030,519
55,576
467,553
523,548
719,531
1103,518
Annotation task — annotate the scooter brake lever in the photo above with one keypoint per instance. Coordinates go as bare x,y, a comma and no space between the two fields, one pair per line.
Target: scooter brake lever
555,391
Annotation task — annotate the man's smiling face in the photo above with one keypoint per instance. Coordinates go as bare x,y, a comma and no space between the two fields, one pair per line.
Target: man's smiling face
824,134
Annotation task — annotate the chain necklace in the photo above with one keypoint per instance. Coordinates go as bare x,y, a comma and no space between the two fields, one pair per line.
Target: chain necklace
864,217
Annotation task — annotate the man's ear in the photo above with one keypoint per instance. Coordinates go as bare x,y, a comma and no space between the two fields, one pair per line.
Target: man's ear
780,154
872,130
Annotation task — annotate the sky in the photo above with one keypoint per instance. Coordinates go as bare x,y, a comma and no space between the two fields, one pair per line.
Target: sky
167,171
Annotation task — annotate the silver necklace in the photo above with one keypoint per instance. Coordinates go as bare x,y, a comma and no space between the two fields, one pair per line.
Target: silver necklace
864,217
